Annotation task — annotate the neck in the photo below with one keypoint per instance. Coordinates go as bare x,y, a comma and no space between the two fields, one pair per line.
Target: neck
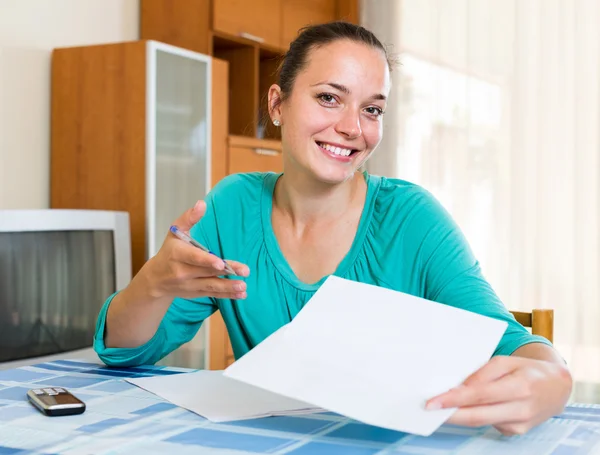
306,201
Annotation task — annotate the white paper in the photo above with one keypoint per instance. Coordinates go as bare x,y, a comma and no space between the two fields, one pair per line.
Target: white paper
218,398
372,354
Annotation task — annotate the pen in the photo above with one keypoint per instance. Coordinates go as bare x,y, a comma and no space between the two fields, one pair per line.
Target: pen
186,238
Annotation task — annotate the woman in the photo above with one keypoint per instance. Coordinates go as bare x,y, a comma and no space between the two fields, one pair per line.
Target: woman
321,217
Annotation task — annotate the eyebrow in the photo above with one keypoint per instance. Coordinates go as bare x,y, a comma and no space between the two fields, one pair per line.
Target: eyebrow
346,90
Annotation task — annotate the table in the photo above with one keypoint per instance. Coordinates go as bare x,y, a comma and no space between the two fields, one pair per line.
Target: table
122,418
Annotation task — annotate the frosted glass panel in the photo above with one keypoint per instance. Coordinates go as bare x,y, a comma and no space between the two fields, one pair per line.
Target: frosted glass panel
181,137
182,122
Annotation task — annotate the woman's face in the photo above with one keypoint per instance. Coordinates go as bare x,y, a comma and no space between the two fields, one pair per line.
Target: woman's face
332,119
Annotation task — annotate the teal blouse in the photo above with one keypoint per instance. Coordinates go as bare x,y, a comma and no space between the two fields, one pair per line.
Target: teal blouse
405,241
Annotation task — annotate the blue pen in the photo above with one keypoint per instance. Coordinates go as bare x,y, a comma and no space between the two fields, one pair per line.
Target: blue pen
186,238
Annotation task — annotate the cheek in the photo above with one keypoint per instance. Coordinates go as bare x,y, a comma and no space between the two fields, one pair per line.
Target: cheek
308,117
372,132
313,119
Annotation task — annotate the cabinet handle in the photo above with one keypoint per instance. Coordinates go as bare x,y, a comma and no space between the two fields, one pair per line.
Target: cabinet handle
251,37
266,152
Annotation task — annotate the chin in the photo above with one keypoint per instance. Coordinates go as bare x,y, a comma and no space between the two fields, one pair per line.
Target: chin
333,174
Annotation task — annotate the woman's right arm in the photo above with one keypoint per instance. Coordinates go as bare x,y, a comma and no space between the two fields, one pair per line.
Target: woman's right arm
179,275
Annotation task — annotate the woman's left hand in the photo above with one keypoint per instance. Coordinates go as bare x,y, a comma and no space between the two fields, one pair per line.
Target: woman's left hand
514,394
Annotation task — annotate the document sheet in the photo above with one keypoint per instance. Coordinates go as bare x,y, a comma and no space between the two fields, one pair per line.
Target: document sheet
372,354
218,398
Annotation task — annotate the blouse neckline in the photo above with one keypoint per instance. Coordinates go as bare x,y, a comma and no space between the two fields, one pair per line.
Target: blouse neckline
272,245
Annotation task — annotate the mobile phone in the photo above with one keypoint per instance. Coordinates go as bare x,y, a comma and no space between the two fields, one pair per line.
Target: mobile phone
55,401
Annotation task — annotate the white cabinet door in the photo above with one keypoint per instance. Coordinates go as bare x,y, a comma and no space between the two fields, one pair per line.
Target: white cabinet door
178,154
179,89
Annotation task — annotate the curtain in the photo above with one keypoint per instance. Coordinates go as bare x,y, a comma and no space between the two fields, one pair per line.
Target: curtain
495,109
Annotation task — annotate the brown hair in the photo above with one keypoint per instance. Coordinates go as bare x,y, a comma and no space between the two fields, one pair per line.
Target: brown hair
311,37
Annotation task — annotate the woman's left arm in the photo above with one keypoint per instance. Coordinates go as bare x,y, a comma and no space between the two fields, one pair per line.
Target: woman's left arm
526,381
513,393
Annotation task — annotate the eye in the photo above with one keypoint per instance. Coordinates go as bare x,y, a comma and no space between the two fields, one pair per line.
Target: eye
374,110
326,98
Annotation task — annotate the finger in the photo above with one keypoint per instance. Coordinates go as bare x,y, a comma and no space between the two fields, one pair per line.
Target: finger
495,414
494,369
213,286
507,388
514,417
186,272
216,295
239,268
191,216
190,255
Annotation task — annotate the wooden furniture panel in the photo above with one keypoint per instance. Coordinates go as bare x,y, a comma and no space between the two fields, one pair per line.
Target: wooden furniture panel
243,88
98,108
220,116
256,19
183,23
219,340
254,155
296,14
541,322
347,10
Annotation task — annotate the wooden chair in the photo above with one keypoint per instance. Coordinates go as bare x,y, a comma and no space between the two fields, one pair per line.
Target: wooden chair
540,321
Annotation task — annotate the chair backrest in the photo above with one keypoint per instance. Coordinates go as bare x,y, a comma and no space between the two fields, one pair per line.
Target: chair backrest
540,321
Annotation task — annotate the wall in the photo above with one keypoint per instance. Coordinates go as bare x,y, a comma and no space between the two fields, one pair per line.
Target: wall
29,30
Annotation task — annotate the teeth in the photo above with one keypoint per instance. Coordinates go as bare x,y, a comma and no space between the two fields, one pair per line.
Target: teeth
337,150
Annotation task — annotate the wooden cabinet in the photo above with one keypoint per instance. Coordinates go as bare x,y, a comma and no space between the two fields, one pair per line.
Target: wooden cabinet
182,23
252,155
296,14
133,129
257,20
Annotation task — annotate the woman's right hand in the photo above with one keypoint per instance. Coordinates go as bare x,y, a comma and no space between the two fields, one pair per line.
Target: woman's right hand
182,270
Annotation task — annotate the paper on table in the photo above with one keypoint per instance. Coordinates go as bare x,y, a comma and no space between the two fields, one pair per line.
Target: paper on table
372,354
218,398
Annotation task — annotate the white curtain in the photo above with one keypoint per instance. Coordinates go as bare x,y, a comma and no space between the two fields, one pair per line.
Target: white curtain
496,110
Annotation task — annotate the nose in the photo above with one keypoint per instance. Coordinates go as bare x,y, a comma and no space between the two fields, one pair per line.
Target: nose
349,124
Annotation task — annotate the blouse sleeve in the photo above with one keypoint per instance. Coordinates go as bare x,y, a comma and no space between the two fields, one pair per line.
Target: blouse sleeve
454,277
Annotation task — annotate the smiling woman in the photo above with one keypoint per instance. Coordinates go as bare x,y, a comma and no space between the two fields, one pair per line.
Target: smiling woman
323,217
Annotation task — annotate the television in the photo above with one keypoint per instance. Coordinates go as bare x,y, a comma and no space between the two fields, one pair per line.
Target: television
57,267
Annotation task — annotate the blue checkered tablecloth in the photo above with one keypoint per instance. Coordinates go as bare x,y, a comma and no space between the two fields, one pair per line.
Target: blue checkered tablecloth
122,418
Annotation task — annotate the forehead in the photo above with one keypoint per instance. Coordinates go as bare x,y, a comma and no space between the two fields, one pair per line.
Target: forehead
355,65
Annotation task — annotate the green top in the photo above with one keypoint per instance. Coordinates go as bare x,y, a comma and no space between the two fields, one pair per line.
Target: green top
405,241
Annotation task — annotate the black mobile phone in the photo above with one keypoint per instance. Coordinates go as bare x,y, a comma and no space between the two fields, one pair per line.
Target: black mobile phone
55,401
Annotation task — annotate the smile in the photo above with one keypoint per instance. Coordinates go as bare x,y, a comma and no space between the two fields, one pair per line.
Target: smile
336,151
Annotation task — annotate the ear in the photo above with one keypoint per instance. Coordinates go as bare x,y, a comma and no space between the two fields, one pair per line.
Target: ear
274,102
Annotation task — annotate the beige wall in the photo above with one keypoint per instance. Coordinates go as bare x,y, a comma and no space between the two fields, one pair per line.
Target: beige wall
29,30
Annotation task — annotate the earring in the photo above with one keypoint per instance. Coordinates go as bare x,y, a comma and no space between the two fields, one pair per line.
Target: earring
276,122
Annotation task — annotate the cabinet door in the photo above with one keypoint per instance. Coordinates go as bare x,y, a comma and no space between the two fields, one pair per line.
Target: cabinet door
260,19
178,173
249,159
180,129
299,13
